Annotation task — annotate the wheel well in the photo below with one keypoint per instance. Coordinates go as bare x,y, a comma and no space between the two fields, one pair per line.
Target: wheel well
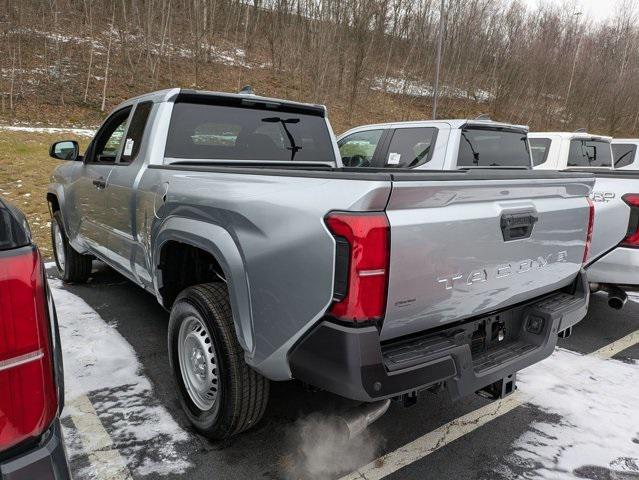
183,266
52,200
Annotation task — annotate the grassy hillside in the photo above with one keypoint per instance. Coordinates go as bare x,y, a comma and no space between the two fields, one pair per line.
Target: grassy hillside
25,167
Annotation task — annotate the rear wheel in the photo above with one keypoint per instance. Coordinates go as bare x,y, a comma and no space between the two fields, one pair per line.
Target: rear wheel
72,266
220,393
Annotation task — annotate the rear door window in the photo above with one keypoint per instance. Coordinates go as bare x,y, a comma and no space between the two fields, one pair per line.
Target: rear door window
623,154
539,148
490,147
135,132
589,153
357,149
411,147
219,132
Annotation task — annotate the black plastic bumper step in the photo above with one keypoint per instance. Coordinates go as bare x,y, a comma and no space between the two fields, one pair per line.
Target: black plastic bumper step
410,353
497,356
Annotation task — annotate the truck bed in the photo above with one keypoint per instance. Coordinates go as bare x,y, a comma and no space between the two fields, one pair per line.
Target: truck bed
442,224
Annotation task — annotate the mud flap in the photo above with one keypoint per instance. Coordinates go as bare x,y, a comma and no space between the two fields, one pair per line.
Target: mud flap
500,389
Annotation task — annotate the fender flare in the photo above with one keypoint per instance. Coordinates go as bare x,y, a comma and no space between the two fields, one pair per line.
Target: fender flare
218,242
57,191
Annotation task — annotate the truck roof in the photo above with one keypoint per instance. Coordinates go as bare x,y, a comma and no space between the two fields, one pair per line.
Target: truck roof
454,123
625,140
171,94
570,135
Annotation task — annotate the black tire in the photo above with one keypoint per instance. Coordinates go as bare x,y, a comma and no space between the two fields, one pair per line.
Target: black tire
243,393
76,267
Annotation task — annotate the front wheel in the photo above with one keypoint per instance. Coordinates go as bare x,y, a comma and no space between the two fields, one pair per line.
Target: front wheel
73,267
220,393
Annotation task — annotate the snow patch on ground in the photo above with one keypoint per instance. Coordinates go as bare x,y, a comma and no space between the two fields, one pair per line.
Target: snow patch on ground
633,296
598,428
82,132
416,88
100,363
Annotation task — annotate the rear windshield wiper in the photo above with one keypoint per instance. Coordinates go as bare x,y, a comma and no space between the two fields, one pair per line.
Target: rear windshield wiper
284,121
472,149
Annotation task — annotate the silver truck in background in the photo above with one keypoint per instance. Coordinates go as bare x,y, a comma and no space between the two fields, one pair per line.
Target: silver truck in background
624,153
614,256
277,262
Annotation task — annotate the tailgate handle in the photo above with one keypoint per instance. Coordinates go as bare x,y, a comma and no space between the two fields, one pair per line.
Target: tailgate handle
516,226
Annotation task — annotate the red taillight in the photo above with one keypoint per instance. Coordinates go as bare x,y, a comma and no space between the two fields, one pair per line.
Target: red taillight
28,397
632,237
591,224
366,275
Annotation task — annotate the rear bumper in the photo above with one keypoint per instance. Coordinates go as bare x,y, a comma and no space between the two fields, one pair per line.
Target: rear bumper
619,267
46,461
352,362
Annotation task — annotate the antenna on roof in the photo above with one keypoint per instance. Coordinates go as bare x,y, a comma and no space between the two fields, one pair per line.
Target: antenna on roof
580,130
247,90
483,116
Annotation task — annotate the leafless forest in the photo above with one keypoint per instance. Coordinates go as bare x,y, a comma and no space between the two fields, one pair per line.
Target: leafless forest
65,61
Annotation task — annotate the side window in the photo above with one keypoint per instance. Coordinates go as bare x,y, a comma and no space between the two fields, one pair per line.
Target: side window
623,153
589,153
411,147
357,149
539,148
135,132
108,142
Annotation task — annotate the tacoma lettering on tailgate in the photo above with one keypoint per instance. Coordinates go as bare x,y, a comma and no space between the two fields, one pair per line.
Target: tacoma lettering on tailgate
502,270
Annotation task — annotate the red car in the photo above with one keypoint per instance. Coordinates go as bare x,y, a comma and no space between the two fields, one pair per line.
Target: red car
31,376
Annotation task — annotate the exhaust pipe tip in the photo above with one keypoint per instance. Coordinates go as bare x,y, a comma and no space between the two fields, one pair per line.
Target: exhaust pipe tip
354,421
617,302
617,298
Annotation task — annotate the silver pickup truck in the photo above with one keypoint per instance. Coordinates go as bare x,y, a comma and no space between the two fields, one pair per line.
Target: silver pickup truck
613,266
277,262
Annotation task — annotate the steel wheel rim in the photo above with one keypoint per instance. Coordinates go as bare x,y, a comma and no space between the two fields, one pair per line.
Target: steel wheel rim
59,246
198,364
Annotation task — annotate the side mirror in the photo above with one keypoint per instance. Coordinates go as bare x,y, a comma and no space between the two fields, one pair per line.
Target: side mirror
65,150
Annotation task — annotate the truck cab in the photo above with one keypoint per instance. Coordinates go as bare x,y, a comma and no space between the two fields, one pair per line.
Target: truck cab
565,150
436,145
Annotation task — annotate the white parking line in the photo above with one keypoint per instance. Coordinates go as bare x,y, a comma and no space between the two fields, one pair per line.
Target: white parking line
433,441
139,435
447,433
105,459
617,346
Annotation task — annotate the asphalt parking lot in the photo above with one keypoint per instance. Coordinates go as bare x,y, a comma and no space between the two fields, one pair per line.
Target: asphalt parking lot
575,415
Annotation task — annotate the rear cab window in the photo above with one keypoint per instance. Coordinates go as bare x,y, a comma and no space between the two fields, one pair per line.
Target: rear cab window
493,147
256,131
589,153
623,154
539,148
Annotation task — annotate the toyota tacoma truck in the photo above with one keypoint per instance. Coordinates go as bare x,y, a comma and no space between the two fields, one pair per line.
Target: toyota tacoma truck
277,262
614,258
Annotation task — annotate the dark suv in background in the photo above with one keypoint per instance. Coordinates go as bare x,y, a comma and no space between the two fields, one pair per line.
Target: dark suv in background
31,377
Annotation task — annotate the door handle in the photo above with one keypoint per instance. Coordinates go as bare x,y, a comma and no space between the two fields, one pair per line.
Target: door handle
99,183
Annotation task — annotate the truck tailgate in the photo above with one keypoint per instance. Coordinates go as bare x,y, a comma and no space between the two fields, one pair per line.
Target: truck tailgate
471,243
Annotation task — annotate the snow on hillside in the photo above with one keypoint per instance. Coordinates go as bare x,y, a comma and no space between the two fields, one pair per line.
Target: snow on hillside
417,88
